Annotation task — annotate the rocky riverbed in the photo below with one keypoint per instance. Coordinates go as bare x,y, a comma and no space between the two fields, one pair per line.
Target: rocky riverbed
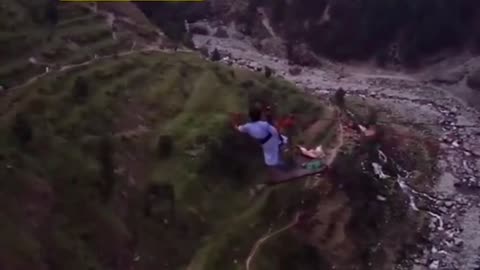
454,240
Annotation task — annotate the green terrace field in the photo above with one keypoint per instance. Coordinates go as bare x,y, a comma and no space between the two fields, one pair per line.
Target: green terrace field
79,35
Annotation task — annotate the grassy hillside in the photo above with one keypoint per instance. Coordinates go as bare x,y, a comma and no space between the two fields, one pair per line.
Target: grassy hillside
129,160
78,36
117,157
83,173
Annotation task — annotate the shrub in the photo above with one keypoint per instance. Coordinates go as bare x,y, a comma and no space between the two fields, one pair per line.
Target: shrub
22,129
164,146
339,98
268,72
215,55
80,89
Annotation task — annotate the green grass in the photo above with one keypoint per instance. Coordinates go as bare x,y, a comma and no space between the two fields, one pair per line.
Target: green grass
181,96
79,35
58,176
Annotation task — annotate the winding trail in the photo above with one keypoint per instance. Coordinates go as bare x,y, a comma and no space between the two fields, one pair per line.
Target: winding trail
266,237
329,160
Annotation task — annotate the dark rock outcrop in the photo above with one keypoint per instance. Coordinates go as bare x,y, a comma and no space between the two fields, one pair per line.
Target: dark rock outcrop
344,29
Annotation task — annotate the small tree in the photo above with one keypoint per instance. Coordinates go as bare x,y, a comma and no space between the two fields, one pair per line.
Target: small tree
215,55
22,129
164,146
268,72
80,89
339,98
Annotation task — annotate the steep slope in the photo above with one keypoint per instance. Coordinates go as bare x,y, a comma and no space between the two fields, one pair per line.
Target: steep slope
121,155
96,153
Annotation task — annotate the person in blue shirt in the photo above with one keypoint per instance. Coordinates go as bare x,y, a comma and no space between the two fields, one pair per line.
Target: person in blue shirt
267,135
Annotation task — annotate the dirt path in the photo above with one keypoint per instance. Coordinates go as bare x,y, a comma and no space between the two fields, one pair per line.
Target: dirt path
266,237
110,19
332,154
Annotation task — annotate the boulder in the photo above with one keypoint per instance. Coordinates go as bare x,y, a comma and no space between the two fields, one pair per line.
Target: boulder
473,80
301,54
272,46
294,71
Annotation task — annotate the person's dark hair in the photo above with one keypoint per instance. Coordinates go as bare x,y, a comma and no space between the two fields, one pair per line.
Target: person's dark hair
255,113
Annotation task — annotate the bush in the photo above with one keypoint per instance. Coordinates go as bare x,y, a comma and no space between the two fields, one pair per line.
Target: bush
164,146
22,129
80,89
215,55
339,97
230,155
268,72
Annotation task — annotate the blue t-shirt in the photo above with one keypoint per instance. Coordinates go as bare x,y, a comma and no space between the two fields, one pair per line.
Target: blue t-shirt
271,149
258,130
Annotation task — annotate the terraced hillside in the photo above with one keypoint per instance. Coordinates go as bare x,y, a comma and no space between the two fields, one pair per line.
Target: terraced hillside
117,155
29,46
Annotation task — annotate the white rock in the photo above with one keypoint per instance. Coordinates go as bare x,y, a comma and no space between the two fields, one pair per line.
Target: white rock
458,242
434,265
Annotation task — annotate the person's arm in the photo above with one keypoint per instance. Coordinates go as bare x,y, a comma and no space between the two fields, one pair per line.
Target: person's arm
242,128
